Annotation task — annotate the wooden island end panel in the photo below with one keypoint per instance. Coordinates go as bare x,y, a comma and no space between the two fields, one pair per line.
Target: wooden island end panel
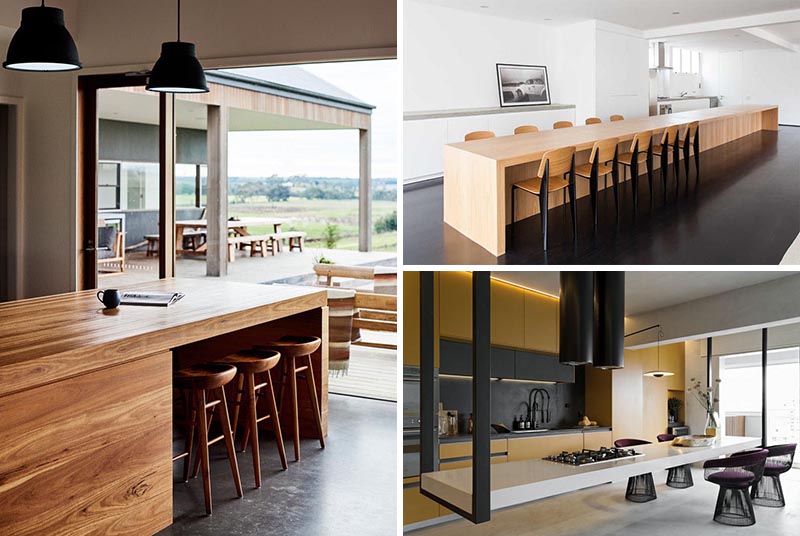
86,455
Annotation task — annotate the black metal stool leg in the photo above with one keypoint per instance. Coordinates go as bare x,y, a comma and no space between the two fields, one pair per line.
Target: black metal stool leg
641,488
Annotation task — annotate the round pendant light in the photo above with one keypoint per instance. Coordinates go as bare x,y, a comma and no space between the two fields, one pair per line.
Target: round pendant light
659,372
42,43
178,69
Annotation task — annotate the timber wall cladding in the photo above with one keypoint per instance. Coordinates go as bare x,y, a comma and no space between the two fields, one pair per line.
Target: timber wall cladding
87,453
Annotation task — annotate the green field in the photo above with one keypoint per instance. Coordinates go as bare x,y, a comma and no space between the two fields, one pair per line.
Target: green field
311,216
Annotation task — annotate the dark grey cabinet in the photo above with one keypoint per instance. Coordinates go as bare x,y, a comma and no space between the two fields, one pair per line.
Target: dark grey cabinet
542,367
456,358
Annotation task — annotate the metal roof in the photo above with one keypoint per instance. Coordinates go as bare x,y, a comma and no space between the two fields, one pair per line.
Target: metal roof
290,81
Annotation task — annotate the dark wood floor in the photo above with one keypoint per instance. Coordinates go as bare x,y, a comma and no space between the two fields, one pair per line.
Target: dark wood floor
744,210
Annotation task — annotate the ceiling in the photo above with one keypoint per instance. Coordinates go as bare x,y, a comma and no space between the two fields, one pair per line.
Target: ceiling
639,14
721,41
648,291
124,105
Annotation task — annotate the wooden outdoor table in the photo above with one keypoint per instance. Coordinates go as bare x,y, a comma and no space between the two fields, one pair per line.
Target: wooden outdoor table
86,396
238,226
478,174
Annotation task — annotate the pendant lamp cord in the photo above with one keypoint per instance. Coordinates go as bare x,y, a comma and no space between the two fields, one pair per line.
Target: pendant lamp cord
179,20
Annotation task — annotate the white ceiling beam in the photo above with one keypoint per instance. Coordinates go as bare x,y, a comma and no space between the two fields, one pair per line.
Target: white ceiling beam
766,35
736,23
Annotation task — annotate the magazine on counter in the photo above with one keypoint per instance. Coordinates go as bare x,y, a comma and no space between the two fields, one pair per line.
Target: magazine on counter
159,299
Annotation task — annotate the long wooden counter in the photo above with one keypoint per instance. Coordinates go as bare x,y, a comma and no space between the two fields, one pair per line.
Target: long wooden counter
86,397
478,174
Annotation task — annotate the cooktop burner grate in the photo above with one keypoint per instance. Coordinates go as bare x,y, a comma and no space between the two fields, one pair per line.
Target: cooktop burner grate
587,456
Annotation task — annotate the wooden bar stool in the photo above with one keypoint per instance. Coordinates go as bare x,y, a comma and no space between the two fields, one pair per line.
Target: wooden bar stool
562,124
294,348
554,165
197,382
669,139
478,135
603,151
691,141
252,365
617,117
641,151
525,129
593,121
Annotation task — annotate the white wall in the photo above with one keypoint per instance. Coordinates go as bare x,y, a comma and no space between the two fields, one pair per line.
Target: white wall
450,57
574,78
623,80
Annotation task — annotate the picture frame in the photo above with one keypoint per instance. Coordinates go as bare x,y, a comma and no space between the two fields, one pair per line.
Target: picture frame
522,85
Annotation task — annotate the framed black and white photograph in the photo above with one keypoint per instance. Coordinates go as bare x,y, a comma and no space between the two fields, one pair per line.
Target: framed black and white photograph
522,85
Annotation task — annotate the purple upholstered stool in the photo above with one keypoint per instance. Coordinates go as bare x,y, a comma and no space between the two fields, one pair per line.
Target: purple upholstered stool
734,475
768,490
640,487
677,477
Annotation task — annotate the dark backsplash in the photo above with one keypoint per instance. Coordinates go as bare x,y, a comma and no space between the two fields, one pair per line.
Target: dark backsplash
567,400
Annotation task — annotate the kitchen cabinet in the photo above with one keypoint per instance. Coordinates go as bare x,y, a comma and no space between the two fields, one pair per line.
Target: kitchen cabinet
538,447
541,323
455,305
463,449
507,315
417,507
542,367
456,358
411,318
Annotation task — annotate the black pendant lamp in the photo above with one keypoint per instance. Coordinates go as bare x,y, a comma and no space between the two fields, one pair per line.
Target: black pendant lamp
576,314
178,70
658,372
609,313
42,43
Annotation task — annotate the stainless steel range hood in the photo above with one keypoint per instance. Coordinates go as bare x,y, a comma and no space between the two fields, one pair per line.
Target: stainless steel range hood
662,58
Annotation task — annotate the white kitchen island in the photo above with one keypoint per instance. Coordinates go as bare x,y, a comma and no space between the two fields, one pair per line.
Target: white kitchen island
530,480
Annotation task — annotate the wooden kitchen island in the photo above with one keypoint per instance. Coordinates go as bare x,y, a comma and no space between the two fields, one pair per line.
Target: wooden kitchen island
86,397
478,175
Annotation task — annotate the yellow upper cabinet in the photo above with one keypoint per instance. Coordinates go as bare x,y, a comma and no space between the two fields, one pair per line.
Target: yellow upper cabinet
508,311
541,323
519,318
455,305
411,318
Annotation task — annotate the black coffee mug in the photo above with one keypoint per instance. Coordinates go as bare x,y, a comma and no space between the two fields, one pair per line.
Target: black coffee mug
111,298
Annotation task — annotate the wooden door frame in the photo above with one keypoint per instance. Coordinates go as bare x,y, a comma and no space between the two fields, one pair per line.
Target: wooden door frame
88,140
15,201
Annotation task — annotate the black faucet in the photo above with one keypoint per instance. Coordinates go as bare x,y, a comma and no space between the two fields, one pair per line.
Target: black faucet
534,408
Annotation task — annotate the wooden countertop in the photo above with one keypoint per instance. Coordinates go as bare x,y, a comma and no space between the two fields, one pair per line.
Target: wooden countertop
55,337
511,150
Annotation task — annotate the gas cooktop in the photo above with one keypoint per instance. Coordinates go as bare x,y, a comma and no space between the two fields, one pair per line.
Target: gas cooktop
586,456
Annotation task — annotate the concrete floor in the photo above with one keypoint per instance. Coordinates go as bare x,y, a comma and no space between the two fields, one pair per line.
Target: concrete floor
603,511
348,488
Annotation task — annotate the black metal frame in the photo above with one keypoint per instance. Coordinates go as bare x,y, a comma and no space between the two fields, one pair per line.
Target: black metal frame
427,396
481,399
526,103
708,362
764,345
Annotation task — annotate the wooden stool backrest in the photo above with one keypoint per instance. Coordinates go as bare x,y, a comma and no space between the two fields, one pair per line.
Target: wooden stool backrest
617,117
562,124
670,135
559,160
691,130
604,150
593,120
642,141
524,129
478,135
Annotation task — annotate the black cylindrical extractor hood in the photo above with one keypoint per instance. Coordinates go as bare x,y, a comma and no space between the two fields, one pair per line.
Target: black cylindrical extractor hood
609,314
576,329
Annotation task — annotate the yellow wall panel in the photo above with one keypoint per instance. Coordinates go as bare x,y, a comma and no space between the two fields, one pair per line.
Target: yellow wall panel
410,325
541,323
455,305
508,313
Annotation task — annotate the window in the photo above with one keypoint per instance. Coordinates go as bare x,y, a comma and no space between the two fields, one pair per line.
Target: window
695,62
141,185
187,177
676,59
108,186
653,56
686,61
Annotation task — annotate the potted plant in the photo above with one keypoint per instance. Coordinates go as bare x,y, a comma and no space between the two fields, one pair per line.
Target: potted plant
705,396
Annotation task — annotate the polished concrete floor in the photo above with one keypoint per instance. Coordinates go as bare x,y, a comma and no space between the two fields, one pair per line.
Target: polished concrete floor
603,511
744,210
348,488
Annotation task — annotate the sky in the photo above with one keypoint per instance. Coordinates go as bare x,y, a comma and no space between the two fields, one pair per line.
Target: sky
330,153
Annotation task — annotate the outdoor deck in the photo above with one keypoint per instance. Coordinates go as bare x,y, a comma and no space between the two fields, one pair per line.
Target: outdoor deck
294,265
